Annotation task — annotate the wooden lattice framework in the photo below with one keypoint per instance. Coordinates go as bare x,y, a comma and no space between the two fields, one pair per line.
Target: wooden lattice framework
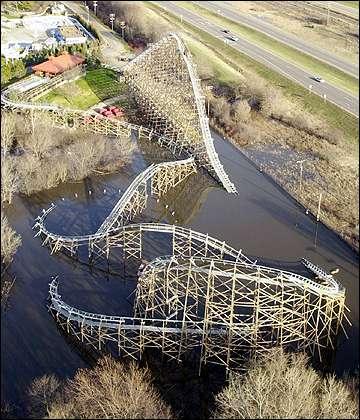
241,308
224,310
156,180
206,296
168,91
162,177
164,80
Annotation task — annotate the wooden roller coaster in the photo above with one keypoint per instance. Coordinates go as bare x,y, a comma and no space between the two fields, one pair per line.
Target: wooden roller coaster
206,296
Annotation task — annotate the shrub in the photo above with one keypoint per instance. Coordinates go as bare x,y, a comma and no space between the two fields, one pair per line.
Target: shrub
333,136
50,155
283,386
10,241
220,108
7,130
241,111
9,179
109,390
248,134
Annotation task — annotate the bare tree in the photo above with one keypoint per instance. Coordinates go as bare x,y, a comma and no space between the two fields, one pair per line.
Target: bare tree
109,390
9,179
220,108
10,241
283,386
241,111
41,135
7,130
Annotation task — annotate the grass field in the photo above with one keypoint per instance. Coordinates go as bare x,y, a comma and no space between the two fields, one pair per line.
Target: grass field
96,86
353,4
305,61
332,114
223,72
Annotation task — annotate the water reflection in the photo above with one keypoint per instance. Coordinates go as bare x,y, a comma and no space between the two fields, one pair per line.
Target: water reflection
260,220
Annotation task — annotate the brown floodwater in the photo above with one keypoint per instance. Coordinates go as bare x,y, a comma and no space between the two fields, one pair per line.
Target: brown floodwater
262,220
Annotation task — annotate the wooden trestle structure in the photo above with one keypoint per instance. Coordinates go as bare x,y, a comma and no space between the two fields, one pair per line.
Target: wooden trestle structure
168,91
164,81
206,296
226,310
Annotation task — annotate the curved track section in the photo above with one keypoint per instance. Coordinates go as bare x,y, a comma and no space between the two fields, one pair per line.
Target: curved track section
167,87
225,310
176,105
163,176
75,118
185,242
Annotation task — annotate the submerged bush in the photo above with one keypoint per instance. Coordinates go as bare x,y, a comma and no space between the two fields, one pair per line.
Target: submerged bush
109,390
10,241
283,386
45,156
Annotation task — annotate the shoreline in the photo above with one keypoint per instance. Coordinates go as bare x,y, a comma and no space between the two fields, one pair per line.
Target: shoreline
283,188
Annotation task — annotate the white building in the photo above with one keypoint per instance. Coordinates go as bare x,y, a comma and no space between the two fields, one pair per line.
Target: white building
58,9
34,33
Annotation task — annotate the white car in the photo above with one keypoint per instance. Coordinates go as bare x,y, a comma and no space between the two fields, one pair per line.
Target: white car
233,38
318,79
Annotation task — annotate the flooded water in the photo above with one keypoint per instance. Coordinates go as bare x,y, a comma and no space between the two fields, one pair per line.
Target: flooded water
262,220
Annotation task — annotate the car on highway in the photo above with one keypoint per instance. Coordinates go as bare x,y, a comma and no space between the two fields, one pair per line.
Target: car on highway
318,79
233,38
226,31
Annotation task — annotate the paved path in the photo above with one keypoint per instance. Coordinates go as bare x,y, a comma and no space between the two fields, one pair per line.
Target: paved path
112,45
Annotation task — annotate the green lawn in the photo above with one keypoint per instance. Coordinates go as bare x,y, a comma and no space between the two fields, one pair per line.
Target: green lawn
353,4
332,114
97,85
223,72
331,74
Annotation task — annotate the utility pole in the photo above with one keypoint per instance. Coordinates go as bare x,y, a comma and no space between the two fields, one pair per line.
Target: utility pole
300,187
317,220
112,18
209,89
95,6
88,14
328,14
318,210
301,174
122,26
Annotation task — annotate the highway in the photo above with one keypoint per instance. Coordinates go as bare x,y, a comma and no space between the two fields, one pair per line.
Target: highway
333,94
225,9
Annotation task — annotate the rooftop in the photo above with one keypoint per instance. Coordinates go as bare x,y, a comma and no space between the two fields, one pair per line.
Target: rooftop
57,65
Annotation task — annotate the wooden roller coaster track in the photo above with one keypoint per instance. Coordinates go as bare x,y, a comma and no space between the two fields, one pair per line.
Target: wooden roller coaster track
225,310
206,296
164,80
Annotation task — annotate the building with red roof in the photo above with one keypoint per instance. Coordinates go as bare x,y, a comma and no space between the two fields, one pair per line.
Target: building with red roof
57,65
